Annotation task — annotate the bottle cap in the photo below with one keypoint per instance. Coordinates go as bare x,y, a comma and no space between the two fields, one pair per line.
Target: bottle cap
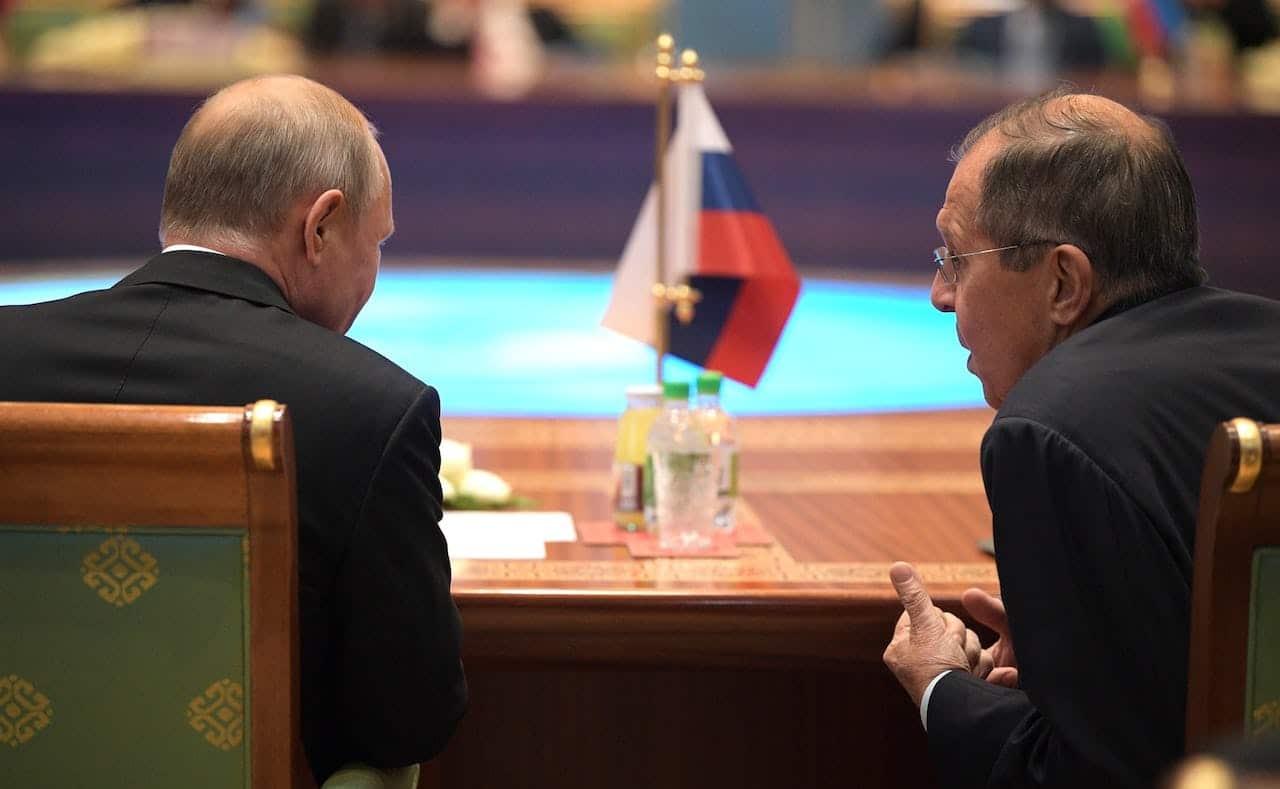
644,391
709,382
675,390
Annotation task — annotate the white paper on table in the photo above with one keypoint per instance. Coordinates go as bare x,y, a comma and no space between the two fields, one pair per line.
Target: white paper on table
505,535
482,543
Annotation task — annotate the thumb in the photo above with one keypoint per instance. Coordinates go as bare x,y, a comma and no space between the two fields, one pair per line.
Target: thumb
913,596
1004,676
987,609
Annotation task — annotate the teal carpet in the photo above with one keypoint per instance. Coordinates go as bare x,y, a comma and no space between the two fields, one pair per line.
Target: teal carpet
524,343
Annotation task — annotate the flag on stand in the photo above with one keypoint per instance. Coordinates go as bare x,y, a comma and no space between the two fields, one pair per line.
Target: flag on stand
718,242
1155,25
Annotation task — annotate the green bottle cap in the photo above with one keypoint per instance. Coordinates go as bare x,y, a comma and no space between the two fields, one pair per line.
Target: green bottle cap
709,382
675,390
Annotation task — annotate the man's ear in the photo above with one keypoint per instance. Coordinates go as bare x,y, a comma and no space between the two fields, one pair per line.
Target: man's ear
319,223
1074,285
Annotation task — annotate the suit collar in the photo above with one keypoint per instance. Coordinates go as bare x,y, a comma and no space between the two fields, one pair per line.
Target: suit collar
212,272
1128,303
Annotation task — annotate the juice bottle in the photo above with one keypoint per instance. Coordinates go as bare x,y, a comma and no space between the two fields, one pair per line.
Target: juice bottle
631,454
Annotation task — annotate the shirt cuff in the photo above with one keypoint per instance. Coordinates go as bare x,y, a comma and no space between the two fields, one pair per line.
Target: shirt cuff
924,700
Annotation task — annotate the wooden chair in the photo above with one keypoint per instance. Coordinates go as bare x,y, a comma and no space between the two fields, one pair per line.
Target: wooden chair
148,594
1234,664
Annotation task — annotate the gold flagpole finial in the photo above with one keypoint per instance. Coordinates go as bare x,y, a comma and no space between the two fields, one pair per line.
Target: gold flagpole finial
689,71
666,57
683,297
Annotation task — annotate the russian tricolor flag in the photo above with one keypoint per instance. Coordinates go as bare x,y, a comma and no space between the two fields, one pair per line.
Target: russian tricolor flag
718,242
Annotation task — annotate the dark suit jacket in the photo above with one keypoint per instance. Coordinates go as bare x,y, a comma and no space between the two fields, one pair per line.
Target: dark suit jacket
1092,468
381,677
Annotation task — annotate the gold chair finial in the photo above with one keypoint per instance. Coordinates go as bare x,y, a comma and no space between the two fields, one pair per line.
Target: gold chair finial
1249,464
262,418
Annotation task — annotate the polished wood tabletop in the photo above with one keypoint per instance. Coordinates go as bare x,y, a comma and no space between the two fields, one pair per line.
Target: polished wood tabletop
591,668
843,497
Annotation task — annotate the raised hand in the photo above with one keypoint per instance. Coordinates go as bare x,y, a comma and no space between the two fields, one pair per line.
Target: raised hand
926,641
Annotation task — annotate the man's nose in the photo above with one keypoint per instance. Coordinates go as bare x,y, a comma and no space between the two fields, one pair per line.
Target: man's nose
942,295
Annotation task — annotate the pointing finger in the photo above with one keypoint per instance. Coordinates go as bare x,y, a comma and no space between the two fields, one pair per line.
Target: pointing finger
987,609
914,597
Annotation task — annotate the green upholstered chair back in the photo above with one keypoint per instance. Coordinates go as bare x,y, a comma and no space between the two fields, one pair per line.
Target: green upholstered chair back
1234,664
148,631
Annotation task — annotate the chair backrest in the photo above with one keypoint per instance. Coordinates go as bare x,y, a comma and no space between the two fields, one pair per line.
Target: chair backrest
1233,687
148,588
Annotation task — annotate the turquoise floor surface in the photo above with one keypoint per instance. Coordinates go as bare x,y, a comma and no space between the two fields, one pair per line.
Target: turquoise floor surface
500,342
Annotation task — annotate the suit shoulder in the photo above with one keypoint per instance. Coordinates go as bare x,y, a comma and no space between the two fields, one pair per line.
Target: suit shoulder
1169,368
1163,343
355,374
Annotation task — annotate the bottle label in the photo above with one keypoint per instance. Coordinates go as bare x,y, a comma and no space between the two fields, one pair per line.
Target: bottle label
683,463
646,487
630,487
729,473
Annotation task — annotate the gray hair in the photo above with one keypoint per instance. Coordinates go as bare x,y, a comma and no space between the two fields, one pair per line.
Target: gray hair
1071,173
240,165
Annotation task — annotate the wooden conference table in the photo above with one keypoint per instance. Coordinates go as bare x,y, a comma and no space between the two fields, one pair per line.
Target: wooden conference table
594,669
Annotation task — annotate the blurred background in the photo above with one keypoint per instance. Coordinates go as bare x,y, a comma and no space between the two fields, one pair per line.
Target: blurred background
520,134
1216,53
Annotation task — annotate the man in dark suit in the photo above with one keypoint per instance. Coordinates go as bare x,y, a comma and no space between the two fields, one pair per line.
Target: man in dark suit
276,204
1071,264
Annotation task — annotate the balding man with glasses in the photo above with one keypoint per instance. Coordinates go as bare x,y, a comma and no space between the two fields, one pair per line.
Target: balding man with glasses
1070,261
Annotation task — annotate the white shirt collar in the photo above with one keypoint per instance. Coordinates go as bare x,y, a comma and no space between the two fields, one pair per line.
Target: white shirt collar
190,248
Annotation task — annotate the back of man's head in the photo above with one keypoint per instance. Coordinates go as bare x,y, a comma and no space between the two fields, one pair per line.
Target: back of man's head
255,149
1084,170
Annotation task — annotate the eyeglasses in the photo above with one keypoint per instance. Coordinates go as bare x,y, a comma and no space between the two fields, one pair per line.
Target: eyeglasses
950,274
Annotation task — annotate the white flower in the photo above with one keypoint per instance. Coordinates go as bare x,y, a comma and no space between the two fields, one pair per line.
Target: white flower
455,461
447,488
485,487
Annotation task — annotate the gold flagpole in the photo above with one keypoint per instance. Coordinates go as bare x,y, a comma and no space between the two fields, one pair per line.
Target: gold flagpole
665,74
682,296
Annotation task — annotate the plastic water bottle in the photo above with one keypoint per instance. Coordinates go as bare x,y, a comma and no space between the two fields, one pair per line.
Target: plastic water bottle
684,474
719,427
630,457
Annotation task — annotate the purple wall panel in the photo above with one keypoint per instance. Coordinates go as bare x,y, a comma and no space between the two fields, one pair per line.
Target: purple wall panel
847,186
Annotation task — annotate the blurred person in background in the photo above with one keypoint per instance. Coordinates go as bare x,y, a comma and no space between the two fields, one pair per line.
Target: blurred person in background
1250,23
429,27
1034,42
